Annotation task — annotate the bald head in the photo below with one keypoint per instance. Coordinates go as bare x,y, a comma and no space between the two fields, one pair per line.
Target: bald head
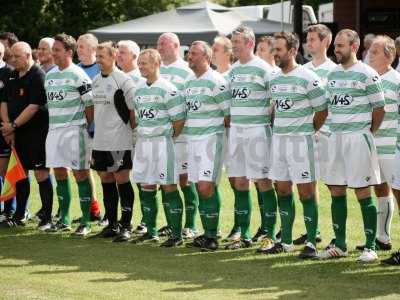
168,45
21,56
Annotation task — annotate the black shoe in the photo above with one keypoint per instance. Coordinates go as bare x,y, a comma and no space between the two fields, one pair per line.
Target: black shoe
302,239
10,223
279,248
109,231
172,242
59,227
239,244
258,236
393,260
40,214
210,244
278,236
308,252
146,239
198,242
378,246
123,236
331,244
82,230
44,225
165,231
140,229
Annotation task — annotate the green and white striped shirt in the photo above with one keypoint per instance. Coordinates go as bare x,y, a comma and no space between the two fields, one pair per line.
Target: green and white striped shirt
297,95
156,107
322,71
353,94
177,73
207,102
386,135
68,92
250,99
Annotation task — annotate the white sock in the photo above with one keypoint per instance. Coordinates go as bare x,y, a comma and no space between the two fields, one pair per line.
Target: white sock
385,215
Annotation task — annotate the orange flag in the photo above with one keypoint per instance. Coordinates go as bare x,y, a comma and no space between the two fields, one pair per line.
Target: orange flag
15,173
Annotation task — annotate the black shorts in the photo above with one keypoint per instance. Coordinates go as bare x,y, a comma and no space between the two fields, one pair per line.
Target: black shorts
111,161
5,149
31,148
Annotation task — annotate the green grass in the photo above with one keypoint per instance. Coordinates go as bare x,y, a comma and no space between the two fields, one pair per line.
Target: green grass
36,265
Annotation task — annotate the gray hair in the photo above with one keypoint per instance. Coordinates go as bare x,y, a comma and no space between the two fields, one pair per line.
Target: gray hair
206,48
131,45
47,40
389,47
246,32
90,39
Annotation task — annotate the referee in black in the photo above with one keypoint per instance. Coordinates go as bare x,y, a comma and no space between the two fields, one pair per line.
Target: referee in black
25,123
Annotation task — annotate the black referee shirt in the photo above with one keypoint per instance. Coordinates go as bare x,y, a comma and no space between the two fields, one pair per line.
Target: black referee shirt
4,75
25,90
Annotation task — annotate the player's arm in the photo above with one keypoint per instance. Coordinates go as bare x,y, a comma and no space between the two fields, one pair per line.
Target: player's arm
378,114
176,106
319,119
5,120
129,89
317,96
132,119
223,98
89,112
376,98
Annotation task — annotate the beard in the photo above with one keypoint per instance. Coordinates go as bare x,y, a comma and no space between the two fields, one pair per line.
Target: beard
343,58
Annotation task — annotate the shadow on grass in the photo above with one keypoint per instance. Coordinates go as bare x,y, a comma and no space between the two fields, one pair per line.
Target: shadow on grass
284,276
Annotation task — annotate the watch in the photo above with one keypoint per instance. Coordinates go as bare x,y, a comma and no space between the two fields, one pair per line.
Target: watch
14,125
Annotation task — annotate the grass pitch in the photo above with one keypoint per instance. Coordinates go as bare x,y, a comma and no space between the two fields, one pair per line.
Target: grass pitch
36,265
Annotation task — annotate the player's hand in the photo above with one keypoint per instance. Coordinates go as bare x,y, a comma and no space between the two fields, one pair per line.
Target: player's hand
6,128
10,139
90,129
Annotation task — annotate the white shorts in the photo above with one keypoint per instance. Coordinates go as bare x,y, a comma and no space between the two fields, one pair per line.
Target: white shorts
154,161
322,148
68,147
294,158
181,150
353,160
249,152
386,169
395,180
205,158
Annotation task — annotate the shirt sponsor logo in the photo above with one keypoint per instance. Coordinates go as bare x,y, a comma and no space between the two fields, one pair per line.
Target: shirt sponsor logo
341,100
283,104
193,105
240,93
147,113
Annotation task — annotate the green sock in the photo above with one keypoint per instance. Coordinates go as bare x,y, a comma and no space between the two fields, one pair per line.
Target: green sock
287,211
150,210
369,214
243,211
191,205
218,200
165,204
270,209
260,201
203,213
175,209
85,199
64,199
236,227
310,208
210,209
339,217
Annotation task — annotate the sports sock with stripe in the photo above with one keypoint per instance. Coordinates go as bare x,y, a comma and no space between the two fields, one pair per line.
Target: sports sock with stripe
368,210
127,196
150,211
173,208
63,190
287,211
243,211
339,218
191,205
270,209
310,208
110,199
85,199
385,216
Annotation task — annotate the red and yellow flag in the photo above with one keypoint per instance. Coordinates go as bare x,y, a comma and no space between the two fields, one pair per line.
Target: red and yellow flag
15,173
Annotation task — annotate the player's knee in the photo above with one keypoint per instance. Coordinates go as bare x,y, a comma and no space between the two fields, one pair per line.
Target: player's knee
264,185
60,173
169,188
41,175
106,177
122,176
183,180
382,190
241,184
205,190
81,175
337,191
362,193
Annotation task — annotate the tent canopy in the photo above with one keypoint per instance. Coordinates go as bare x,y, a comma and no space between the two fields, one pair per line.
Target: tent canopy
199,21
